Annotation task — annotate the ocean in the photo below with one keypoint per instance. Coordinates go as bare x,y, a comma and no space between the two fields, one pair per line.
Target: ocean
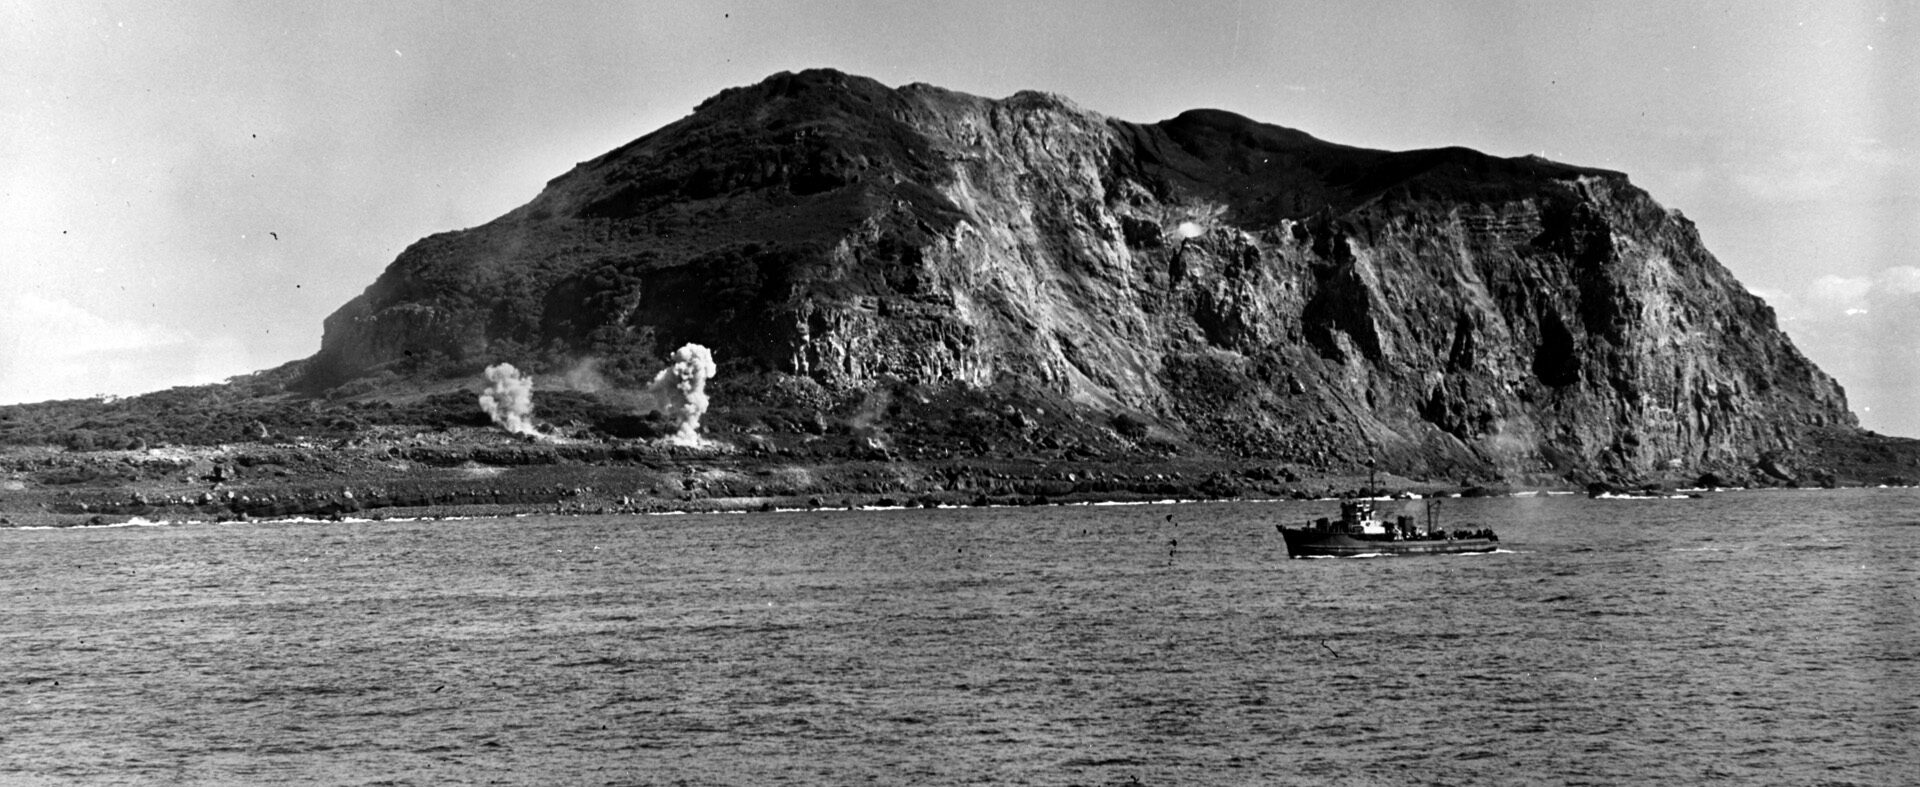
1742,637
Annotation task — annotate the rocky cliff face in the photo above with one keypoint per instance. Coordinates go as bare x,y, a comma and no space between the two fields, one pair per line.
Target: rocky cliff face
1246,286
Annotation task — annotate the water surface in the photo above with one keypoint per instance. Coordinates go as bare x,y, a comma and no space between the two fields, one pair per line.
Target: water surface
1749,637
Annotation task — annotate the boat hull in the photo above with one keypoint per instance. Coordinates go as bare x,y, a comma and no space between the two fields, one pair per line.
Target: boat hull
1303,543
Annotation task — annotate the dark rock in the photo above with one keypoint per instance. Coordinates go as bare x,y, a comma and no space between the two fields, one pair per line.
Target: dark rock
1131,425
1773,466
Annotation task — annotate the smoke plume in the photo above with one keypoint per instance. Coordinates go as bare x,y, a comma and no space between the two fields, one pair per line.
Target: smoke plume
680,390
872,407
584,376
509,399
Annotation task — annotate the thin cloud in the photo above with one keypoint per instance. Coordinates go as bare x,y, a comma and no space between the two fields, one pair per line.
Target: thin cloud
53,348
1862,329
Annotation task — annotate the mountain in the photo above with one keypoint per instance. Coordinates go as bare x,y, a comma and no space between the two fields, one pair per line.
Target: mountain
1206,283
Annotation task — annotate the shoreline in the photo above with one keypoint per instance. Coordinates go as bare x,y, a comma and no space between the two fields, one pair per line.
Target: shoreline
117,507
14,518
473,473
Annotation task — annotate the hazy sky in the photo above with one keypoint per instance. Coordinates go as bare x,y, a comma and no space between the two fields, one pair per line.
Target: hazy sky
188,188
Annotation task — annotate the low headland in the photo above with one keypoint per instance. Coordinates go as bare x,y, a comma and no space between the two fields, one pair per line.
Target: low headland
344,468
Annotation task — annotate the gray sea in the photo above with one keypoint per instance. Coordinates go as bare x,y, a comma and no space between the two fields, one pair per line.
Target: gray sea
1750,637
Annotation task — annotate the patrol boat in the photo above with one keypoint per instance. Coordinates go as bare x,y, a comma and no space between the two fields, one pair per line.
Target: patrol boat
1362,533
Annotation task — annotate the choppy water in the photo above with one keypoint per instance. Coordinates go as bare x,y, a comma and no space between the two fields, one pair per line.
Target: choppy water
1766,637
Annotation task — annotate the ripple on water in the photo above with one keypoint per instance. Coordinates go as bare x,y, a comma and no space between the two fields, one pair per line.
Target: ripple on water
1608,644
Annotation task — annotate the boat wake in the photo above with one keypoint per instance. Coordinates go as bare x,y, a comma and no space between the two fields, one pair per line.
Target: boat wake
1618,496
1371,555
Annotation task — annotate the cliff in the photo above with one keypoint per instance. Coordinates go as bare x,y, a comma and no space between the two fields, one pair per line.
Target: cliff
1208,282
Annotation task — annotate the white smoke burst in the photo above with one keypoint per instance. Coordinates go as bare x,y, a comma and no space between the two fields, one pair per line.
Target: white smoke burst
584,375
680,391
508,399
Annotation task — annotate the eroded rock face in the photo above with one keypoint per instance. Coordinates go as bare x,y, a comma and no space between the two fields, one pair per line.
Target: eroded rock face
1267,292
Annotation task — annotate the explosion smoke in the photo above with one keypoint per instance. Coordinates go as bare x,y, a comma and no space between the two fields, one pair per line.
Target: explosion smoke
584,376
509,399
680,390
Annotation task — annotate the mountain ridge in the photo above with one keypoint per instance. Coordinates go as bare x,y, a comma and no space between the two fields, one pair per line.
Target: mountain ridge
1207,285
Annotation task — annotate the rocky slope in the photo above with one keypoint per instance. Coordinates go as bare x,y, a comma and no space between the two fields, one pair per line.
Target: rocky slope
1208,282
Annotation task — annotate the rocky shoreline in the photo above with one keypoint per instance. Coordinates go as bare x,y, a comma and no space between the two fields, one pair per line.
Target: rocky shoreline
490,476
468,473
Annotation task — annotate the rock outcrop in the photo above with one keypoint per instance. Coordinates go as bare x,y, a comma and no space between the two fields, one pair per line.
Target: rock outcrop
1247,287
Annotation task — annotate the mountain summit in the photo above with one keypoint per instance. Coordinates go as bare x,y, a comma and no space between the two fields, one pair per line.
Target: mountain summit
1207,282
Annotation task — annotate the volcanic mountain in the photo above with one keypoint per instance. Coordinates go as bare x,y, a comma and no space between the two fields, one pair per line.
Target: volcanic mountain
1205,283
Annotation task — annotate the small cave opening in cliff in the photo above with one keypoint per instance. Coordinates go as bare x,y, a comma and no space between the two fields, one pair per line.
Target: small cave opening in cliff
1556,361
1463,354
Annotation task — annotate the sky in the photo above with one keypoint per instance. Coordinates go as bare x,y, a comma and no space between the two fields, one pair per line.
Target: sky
187,189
